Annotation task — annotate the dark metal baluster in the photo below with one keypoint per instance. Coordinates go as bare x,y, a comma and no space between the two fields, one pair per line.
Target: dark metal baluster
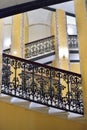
69,101
76,94
59,89
8,75
24,80
33,89
41,85
51,93
15,78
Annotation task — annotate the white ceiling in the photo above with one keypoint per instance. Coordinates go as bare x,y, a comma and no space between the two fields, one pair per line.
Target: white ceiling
40,16
44,16
66,6
8,3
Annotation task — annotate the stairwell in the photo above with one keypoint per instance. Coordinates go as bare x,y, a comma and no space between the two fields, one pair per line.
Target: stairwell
41,108
48,86
42,90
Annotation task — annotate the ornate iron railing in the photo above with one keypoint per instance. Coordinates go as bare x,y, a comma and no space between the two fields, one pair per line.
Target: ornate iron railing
39,47
42,84
7,51
73,41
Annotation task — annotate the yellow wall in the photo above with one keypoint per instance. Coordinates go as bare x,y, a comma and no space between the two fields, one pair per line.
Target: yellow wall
26,28
55,63
62,39
16,36
1,38
75,67
16,46
13,117
16,118
81,18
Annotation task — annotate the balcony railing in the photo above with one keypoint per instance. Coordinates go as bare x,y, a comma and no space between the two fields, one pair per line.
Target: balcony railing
39,47
72,41
44,46
7,51
42,84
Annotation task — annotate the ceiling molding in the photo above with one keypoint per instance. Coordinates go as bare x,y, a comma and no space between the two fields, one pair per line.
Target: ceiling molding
50,9
54,10
70,14
4,12
43,24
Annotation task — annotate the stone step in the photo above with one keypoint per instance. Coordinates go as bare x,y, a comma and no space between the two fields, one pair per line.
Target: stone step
20,102
39,107
36,105
58,112
54,110
69,115
5,98
72,115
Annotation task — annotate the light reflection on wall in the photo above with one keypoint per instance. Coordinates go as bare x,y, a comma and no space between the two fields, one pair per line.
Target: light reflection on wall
71,29
6,43
63,52
7,32
6,36
71,25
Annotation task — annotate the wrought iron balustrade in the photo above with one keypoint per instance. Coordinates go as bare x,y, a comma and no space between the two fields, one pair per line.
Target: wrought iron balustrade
7,51
73,41
39,47
42,84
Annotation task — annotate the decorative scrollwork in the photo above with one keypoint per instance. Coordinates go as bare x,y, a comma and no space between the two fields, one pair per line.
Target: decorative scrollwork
7,51
39,47
72,41
43,84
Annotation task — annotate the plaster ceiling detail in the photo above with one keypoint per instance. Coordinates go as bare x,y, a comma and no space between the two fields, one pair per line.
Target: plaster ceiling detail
40,16
66,6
